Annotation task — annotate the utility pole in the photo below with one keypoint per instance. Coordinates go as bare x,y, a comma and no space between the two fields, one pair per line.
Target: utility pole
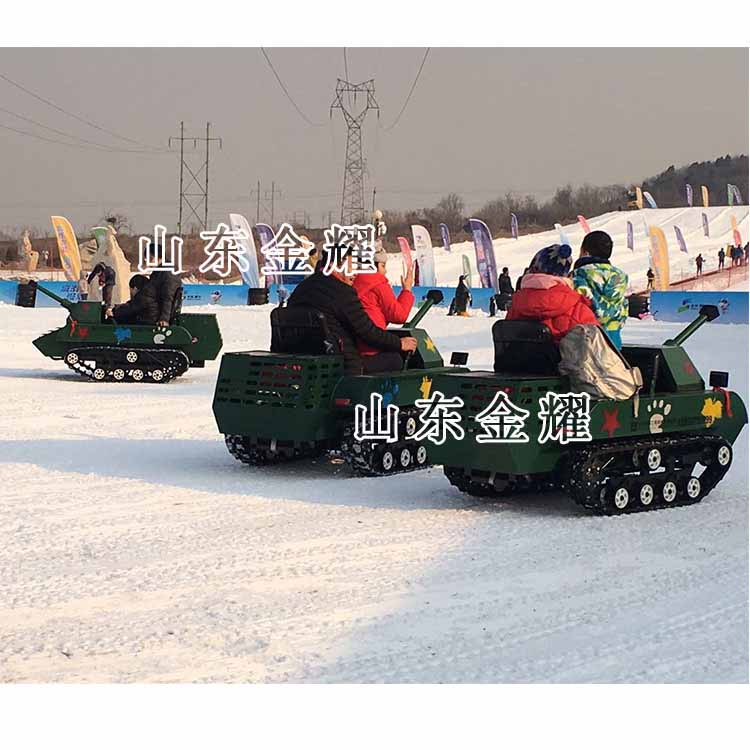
272,195
374,191
198,199
257,194
353,193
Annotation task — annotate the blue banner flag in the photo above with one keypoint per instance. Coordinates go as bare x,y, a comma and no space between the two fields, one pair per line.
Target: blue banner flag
485,251
446,236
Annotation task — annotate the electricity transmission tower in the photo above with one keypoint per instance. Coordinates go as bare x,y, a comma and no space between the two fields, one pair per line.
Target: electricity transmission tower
194,193
353,195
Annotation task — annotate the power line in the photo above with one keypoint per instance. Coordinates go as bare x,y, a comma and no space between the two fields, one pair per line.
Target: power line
75,116
411,91
93,145
288,95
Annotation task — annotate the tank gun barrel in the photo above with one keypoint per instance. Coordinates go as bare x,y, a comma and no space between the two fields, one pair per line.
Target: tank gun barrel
705,314
67,304
434,297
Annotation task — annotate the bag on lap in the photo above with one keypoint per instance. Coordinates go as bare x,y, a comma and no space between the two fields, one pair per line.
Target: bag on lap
594,365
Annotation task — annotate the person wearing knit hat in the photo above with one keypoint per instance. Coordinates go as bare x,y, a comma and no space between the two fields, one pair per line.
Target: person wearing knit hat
546,294
382,306
555,260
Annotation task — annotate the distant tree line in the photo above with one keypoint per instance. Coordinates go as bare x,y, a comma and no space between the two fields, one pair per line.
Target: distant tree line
667,188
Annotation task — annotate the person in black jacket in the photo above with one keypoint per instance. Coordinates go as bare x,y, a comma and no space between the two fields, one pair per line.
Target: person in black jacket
334,296
504,283
142,308
107,279
165,285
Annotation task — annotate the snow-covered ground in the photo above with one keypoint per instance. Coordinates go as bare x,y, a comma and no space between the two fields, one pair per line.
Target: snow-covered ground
516,254
136,549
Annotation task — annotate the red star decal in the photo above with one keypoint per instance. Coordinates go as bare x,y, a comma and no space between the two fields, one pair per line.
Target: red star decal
83,332
688,367
611,423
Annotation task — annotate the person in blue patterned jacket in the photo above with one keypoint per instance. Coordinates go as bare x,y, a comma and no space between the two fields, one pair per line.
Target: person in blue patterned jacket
604,284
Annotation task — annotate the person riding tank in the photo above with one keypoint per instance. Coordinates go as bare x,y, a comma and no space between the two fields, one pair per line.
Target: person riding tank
382,306
330,291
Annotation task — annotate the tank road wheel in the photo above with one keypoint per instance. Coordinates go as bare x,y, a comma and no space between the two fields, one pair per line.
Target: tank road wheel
410,426
724,455
653,459
621,497
118,374
132,357
669,491
646,494
158,375
693,488
387,460
420,455
99,374
137,375
71,358
404,458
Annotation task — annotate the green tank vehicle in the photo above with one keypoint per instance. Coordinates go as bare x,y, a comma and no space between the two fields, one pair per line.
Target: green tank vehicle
668,446
102,350
296,402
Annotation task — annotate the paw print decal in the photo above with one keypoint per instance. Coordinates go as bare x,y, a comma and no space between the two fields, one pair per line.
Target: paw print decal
161,337
658,411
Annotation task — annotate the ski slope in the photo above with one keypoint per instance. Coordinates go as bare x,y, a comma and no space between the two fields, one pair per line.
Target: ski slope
136,549
516,254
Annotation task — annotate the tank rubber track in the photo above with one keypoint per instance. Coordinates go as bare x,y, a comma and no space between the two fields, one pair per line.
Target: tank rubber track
119,364
264,453
373,458
649,473
486,485
624,476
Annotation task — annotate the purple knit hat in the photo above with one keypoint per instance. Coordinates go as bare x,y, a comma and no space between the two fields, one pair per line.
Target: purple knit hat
554,259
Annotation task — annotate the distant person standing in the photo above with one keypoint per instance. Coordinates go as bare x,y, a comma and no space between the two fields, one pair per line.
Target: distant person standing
107,279
699,265
722,255
504,283
45,258
83,287
650,279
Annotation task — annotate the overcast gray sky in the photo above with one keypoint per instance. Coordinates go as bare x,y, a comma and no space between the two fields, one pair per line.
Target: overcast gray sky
480,122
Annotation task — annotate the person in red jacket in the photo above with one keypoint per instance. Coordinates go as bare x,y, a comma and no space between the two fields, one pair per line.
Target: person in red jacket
547,294
382,307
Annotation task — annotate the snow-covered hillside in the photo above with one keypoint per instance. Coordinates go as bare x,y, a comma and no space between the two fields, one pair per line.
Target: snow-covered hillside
136,549
516,254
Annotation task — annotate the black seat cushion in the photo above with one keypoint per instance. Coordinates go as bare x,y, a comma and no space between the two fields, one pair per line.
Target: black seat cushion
524,346
301,330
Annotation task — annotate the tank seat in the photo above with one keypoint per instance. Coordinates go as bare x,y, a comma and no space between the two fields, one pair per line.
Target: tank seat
301,330
524,347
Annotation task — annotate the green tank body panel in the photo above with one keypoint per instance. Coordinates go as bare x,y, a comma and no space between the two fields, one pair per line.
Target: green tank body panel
277,396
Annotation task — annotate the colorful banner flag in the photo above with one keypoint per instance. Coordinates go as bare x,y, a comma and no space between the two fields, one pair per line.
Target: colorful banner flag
563,237
403,243
246,243
467,270
649,199
730,195
680,239
704,195
514,226
446,237
689,193
704,218
639,197
629,235
266,237
425,255
659,258
67,245
584,224
734,195
485,252
735,231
